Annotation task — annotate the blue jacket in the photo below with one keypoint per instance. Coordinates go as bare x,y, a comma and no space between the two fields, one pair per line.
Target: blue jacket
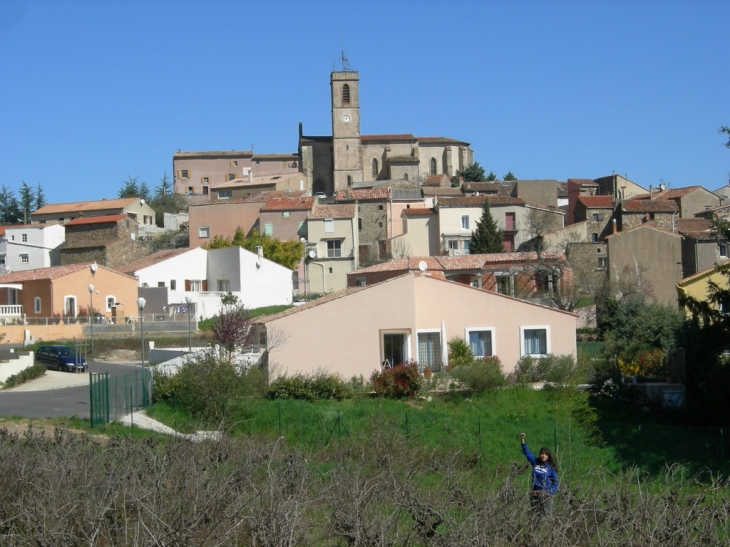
544,476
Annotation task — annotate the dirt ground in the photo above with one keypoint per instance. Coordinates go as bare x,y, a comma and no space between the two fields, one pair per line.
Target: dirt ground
120,355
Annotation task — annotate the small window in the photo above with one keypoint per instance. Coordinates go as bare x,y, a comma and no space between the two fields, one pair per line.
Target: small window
24,238
433,166
349,180
452,244
184,174
231,176
285,214
602,263
535,341
269,229
359,224
429,350
37,304
2,260
196,285
24,258
480,342
160,283
235,163
464,222
190,190
360,282
504,284
205,190
722,249
594,238
204,231
110,303
224,285
597,217
329,225
205,180
173,284
334,248
467,249
375,168
345,94
225,194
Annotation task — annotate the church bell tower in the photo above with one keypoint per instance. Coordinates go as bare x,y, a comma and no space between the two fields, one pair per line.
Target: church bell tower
346,145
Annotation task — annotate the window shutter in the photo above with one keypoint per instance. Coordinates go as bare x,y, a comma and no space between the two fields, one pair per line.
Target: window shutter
178,174
187,285
205,285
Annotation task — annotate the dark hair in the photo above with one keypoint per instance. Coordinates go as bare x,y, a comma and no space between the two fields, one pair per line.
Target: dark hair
551,459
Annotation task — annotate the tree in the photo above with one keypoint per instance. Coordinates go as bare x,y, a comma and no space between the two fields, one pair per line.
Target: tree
487,238
133,188
724,129
40,198
491,177
166,200
286,253
473,173
509,176
233,328
10,212
26,201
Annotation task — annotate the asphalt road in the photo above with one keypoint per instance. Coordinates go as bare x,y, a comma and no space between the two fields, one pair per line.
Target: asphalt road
48,397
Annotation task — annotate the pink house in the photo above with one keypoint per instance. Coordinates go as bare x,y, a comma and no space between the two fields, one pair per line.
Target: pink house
354,331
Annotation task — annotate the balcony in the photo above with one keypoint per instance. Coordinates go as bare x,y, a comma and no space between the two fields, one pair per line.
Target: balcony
11,314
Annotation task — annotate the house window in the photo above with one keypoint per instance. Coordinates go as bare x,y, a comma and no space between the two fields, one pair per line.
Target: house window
722,249
504,284
231,176
375,168
452,244
467,249
359,224
295,280
433,166
361,282
225,194
329,225
24,258
345,94
2,260
598,217
464,222
480,342
205,180
234,163
205,190
160,283
173,284
190,190
509,243
184,174
285,214
594,238
724,305
334,248
429,350
224,285
509,222
69,306
204,232
24,238
269,229
534,341
111,301
395,349
195,285
602,263
349,180
37,304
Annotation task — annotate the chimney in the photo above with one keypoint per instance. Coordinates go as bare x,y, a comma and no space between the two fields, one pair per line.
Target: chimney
259,250
614,225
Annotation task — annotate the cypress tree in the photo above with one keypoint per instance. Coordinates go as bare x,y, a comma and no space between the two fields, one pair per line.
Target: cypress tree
487,238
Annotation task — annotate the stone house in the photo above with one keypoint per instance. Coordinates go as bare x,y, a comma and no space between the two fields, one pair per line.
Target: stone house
690,200
702,247
637,212
331,250
372,217
107,240
61,213
598,213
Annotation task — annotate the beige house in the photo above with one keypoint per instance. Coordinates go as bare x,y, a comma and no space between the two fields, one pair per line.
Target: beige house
135,208
649,257
411,317
331,250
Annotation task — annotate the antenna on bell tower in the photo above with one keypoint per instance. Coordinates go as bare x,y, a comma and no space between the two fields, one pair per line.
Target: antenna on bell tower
342,63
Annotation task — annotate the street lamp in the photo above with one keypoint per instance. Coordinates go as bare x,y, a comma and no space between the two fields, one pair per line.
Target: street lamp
91,315
140,304
189,300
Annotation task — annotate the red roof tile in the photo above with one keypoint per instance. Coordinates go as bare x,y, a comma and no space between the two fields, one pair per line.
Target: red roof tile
96,220
288,204
78,206
54,272
380,192
649,206
478,201
345,210
603,202
417,211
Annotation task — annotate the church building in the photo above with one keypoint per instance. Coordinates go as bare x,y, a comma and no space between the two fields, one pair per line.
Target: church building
349,159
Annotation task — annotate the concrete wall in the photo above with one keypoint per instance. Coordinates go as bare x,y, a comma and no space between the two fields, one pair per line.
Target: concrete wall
14,362
222,219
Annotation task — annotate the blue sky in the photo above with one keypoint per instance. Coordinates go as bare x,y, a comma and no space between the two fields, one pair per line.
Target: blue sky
94,91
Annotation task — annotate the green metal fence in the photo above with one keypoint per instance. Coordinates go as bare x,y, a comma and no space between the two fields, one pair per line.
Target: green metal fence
110,399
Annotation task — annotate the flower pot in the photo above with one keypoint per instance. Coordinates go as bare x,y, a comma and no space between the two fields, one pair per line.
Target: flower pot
427,372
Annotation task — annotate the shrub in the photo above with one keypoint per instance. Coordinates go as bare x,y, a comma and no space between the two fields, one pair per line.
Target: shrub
398,382
460,353
290,387
482,375
254,383
566,371
35,371
320,385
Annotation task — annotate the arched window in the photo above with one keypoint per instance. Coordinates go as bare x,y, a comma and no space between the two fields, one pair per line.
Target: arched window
69,306
349,180
345,94
37,304
405,176
375,168
433,166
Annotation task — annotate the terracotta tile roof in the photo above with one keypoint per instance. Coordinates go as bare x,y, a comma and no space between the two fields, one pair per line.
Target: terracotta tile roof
674,193
214,153
265,197
283,157
602,202
80,206
695,227
704,273
403,264
345,210
232,201
492,187
478,201
649,206
288,204
441,191
380,192
417,211
54,272
440,140
96,220
150,260
243,182
437,180
586,182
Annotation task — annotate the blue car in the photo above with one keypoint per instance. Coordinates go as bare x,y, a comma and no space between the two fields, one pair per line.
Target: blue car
62,358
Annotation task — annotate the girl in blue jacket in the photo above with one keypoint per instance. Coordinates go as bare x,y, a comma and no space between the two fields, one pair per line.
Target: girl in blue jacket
544,478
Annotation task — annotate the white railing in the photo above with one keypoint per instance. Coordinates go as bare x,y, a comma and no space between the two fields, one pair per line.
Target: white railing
11,311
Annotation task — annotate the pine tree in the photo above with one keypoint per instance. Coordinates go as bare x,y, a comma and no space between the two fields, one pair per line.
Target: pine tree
487,238
509,176
26,201
40,197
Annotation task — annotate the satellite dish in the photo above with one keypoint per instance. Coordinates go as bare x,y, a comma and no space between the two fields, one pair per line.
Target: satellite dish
312,254
422,265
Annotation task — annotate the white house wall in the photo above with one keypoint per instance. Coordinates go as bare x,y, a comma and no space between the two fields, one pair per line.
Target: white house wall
189,265
41,246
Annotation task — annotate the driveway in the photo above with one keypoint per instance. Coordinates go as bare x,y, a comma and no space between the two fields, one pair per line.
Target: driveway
57,394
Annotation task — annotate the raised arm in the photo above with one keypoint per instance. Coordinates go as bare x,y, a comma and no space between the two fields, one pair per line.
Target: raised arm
526,451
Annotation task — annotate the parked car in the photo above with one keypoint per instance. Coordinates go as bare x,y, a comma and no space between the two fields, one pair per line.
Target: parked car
62,358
